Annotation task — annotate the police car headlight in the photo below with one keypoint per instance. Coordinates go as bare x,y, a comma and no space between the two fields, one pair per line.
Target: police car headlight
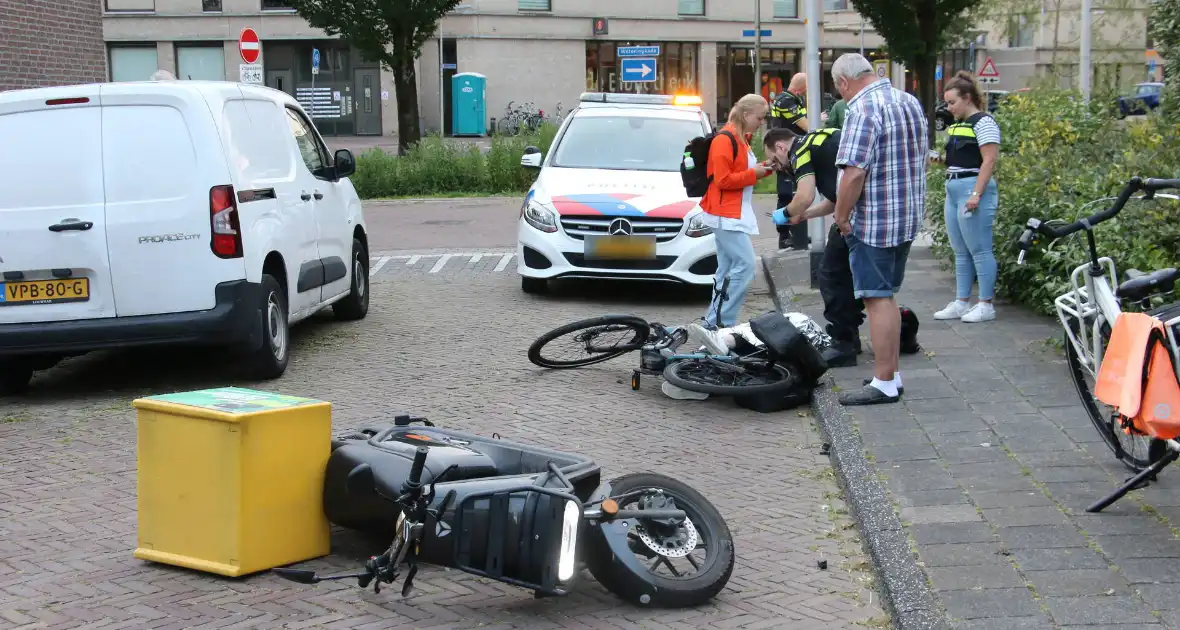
539,216
697,227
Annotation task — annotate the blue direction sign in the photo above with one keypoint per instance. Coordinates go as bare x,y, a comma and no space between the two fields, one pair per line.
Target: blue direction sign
938,72
315,60
750,32
638,51
638,70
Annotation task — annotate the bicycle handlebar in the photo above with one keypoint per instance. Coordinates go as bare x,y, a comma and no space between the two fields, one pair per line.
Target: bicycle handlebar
1150,186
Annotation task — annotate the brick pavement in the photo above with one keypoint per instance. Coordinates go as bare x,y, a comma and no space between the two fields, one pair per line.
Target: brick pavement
451,348
990,461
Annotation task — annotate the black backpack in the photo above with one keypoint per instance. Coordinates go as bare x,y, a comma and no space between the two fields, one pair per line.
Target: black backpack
694,167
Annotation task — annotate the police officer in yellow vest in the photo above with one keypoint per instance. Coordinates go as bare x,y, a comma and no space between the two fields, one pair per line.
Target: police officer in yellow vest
789,111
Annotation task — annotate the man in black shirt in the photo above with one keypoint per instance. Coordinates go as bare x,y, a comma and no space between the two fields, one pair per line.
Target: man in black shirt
810,161
789,111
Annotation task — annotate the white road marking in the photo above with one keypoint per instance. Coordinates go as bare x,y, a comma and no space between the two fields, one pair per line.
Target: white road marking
380,263
442,261
504,261
413,259
476,258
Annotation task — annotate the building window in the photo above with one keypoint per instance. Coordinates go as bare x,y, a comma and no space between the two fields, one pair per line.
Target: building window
1020,32
211,6
835,5
130,6
786,9
691,7
534,5
133,63
676,69
200,63
276,5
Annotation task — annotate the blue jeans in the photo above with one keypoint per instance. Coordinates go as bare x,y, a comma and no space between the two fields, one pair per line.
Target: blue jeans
971,236
735,260
877,272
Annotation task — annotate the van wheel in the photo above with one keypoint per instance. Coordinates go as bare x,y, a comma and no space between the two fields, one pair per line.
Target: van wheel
356,305
270,359
15,375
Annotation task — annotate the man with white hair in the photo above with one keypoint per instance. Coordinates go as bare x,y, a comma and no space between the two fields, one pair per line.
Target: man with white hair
880,201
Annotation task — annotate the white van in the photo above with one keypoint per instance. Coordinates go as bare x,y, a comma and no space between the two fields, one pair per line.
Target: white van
173,212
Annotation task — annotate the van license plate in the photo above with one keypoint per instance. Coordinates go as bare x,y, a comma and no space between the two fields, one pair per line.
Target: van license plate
620,247
44,291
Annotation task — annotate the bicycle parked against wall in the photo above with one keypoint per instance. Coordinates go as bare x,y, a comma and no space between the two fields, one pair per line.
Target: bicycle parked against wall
1088,312
526,118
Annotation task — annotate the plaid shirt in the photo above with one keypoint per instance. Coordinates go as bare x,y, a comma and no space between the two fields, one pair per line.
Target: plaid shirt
885,133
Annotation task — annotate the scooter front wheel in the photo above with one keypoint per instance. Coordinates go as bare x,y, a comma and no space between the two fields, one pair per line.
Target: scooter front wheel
678,574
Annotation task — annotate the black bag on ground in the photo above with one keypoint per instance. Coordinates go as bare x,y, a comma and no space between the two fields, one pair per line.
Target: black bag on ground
787,344
694,166
796,396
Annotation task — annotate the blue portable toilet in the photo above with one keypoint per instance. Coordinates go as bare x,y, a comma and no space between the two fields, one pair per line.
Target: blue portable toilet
469,104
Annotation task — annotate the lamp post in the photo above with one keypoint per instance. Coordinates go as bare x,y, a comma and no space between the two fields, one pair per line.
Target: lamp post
815,86
757,46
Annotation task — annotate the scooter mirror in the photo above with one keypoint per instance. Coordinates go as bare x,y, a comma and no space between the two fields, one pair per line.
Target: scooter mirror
360,480
301,576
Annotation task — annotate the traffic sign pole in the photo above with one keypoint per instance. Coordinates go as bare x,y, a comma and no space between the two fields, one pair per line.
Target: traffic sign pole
816,231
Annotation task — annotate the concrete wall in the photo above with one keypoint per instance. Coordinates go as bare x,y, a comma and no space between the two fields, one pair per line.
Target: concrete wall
51,42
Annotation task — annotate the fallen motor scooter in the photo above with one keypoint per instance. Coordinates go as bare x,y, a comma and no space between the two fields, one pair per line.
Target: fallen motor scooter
520,514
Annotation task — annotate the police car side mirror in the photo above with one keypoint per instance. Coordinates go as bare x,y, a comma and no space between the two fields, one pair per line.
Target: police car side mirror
531,158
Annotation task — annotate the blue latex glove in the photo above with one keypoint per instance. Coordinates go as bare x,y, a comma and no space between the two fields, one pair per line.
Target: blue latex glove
780,216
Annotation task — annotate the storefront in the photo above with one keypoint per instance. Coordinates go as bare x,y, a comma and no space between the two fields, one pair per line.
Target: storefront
735,72
343,98
676,69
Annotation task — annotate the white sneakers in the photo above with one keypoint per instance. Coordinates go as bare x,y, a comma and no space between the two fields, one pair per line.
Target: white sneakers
958,309
711,340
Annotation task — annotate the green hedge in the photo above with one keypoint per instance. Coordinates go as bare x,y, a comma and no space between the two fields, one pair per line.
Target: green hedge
1057,155
437,168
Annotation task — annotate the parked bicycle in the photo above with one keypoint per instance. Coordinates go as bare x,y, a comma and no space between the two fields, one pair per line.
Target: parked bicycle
1088,312
517,119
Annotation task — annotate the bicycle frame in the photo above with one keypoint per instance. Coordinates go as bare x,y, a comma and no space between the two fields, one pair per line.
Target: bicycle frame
1091,303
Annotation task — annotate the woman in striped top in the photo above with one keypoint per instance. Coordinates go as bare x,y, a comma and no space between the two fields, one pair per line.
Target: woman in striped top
972,146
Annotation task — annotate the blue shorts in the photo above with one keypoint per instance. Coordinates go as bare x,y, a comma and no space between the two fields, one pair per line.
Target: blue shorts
877,272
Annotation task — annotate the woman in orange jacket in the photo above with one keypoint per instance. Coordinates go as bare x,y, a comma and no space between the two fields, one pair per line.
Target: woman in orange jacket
728,207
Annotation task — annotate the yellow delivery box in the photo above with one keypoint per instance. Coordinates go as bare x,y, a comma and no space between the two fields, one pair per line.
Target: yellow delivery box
231,480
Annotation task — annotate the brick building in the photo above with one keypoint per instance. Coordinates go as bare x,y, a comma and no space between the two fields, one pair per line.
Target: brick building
51,42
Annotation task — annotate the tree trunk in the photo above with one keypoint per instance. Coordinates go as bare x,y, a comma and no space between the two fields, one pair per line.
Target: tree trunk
1056,42
927,87
405,81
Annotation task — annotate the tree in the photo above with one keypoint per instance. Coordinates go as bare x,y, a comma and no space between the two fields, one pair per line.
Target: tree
390,32
1165,31
915,33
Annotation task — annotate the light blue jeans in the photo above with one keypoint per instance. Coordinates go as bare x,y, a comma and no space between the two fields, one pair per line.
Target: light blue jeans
971,236
735,260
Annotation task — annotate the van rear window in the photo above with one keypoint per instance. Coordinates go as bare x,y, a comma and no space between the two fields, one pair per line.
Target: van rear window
51,158
149,154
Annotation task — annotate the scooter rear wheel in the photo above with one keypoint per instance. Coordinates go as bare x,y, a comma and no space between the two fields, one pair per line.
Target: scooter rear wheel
601,338
649,588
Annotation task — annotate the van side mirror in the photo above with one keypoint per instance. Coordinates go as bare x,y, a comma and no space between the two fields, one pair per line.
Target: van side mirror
345,163
531,157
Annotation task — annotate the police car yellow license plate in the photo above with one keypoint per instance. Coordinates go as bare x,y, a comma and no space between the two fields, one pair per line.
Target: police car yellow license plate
44,291
620,247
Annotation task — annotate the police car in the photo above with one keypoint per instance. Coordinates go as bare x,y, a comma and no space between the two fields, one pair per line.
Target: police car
609,201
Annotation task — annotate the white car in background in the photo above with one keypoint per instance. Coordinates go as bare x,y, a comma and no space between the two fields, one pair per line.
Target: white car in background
609,201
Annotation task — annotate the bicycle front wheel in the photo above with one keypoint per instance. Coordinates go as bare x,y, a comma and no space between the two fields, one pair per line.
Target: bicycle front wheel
1134,450
740,377
597,339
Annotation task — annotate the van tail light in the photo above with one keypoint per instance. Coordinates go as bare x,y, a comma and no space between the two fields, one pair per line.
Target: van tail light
223,219
68,101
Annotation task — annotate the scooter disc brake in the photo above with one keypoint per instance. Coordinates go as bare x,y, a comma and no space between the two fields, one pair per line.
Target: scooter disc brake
677,546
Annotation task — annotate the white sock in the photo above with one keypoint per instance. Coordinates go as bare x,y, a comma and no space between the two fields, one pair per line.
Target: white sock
889,388
897,379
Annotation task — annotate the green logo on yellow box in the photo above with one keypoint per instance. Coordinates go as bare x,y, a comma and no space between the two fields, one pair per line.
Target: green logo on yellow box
234,400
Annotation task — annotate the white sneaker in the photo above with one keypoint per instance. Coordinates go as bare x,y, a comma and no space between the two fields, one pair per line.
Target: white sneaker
955,310
983,312
707,338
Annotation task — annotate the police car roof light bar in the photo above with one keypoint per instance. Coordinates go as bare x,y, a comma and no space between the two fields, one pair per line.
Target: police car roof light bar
640,99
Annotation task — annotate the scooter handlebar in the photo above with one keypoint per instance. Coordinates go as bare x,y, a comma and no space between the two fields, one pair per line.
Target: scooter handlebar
415,479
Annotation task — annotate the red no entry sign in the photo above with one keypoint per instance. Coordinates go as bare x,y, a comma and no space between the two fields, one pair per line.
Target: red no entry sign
249,46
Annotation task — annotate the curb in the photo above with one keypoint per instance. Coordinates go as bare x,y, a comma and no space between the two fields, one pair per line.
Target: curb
910,603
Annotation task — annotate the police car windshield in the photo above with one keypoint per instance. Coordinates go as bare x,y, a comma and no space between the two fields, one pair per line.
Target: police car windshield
630,143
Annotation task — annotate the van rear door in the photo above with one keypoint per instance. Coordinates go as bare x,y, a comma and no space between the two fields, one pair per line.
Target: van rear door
53,242
163,157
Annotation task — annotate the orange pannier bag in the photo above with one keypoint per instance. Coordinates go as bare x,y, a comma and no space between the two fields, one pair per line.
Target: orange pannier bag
1138,376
